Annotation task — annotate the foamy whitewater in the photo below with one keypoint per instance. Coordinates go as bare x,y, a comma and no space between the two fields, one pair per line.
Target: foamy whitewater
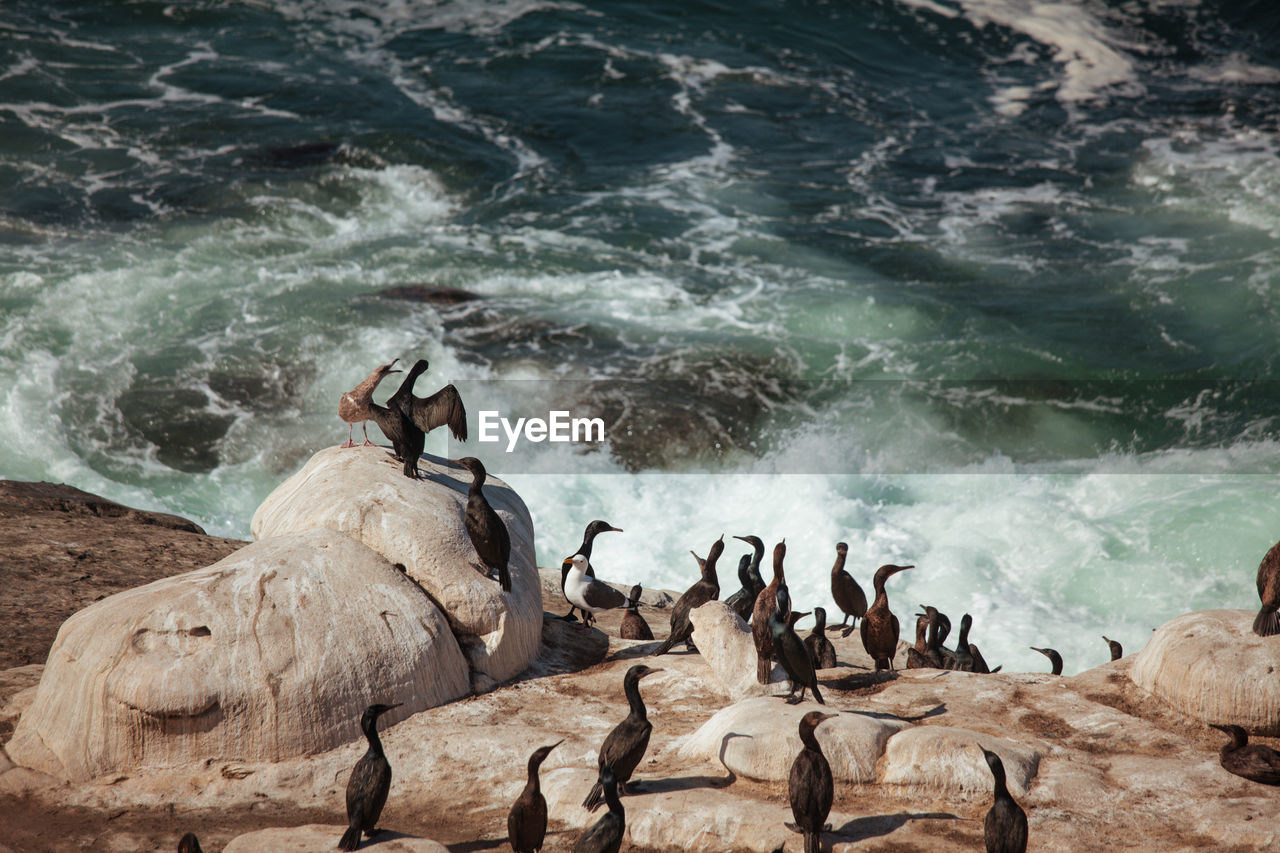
984,286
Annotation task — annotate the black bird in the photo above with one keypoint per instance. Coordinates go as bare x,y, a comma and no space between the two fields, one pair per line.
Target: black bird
879,625
810,787
624,747
790,651
753,570
961,659
406,439
707,588
189,843
821,651
1054,658
443,408
980,663
742,601
633,625
923,655
1005,828
944,627
1267,622
606,835
1252,761
486,528
527,820
1117,650
369,783
766,602
846,592
593,530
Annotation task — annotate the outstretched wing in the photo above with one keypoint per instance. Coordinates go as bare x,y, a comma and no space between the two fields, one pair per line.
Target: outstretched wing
443,408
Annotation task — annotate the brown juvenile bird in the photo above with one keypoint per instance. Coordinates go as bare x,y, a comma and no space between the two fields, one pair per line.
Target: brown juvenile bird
1252,761
625,745
1267,622
1117,650
353,406
846,592
633,625
766,603
487,530
1005,827
880,626
706,588
810,787
527,820
821,650
923,654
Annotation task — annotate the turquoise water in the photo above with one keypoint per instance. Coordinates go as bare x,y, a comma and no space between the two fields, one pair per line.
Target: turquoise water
987,286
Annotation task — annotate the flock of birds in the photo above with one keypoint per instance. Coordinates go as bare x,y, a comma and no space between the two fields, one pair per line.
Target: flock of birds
767,608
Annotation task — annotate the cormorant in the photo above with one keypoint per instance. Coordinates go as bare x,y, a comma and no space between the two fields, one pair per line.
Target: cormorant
706,588
961,659
1254,762
789,649
593,530
1054,658
1117,650
848,595
879,625
821,651
1005,828
189,843
633,625
606,835
527,820
1268,622
742,601
369,783
810,787
406,439
980,663
443,408
922,654
624,747
588,594
753,570
353,406
486,528
766,602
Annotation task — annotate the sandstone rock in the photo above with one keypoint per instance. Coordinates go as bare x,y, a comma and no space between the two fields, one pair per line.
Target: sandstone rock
944,758
315,836
725,643
759,738
418,524
1211,666
269,654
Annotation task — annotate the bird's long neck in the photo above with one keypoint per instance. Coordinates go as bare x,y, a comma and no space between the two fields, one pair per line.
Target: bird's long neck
477,486
779,576
588,539
922,628
371,732
963,642
839,565
809,738
935,639
534,786
709,567
819,624
611,799
631,686
1001,787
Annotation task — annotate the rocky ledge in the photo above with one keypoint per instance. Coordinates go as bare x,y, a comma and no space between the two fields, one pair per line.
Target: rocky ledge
1118,757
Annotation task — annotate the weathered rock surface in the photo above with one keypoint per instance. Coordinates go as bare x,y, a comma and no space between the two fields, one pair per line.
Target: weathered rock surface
419,524
944,758
269,654
725,643
313,837
1211,666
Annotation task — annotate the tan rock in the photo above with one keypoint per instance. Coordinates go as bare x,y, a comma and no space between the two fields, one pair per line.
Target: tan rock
944,758
759,738
315,836
419,524
725,643
1211,666
269,654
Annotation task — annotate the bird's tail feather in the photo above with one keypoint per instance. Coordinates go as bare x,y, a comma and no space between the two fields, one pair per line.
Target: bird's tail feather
350,839
763,665
812,842
664,646
1267,624
817,695
594,798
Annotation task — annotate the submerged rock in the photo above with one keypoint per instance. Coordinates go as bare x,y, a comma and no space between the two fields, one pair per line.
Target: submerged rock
269,654
419,524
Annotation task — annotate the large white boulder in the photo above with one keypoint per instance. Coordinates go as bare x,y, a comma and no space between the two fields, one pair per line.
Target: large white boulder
759,738
945,758
419,524
269,654
1211,666
725,643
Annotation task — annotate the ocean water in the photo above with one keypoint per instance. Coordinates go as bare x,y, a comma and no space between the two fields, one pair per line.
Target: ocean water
985,286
